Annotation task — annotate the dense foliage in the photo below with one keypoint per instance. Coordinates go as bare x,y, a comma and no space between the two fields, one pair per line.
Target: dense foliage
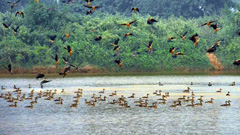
31,46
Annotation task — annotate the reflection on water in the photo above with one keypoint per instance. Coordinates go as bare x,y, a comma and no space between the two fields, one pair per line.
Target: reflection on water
48,118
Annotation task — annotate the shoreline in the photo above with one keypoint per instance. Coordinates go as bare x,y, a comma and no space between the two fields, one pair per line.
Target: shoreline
77,74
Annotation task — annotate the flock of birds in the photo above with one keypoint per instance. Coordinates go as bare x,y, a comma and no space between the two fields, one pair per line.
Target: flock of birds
122,100
114,98
173,50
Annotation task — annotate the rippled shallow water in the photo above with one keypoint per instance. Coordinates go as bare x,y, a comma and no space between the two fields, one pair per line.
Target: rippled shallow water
48,118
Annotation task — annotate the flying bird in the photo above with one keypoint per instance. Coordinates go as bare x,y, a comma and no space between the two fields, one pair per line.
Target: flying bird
89,2
150,45
65,60
214,47
176,54
13,4
183,36
92,7
151,21
69,49
236,62
15,29
116,46
9,68
172,50
215,27
66,71
128,34
7,25
119,62
19,13
195,39
170,39
135,9
129,24
43,82
40,76
89,12
56,60
52,38
208,23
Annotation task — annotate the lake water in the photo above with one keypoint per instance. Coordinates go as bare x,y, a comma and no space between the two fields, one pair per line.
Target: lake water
48,118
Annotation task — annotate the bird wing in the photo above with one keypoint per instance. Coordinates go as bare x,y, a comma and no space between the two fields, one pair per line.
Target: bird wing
87,6
132,22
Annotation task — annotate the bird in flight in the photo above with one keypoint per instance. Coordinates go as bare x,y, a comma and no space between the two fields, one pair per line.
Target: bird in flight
151,21
128,24
116,46
13,4
92,7
208,23
19,13
135,9
195,39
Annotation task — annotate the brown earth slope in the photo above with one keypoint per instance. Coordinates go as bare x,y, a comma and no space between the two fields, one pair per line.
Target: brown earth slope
214,61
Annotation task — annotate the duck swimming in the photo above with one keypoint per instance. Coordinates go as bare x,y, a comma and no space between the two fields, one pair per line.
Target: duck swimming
187,91
209,84
14,105
228,94
211,101
219,91
31,106
233,84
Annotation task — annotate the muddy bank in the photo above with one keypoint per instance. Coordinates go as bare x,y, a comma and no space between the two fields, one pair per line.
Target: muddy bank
95,71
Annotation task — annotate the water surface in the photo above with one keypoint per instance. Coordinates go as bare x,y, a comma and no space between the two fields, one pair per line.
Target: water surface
48,118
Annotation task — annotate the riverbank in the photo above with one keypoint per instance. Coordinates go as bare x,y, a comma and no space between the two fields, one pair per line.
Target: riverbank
76,74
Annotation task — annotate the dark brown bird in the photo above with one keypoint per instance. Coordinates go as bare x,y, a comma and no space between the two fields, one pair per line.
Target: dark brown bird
215,27
19,13
183,36
116,46
170,39
40,76
9,68
92,7
208,23
15,29
128,34
150,45
236,62
119,62
89,12
172,50
135,9
128,24
66,71
195,39
7,25
65,60
176,54
69,49
151,21
214,47
89,2
56,59
52,38
43,82
13,4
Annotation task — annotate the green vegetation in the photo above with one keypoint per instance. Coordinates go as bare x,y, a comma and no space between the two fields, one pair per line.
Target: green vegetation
31,46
